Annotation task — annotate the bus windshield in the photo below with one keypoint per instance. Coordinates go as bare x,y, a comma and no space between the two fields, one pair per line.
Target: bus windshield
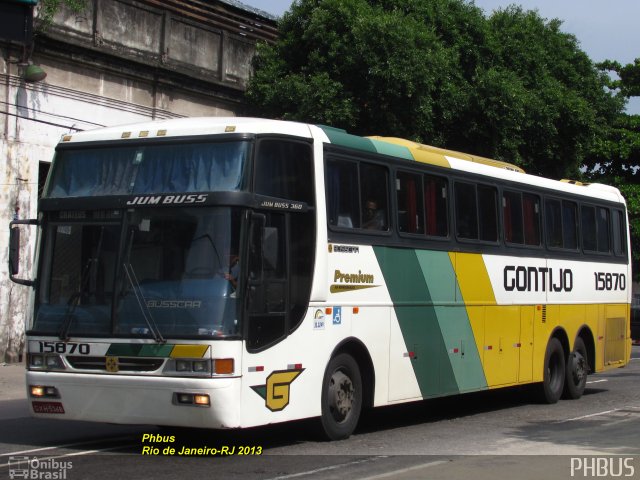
153,168
154,272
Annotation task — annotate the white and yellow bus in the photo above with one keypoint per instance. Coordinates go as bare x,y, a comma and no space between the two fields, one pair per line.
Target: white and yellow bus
229,273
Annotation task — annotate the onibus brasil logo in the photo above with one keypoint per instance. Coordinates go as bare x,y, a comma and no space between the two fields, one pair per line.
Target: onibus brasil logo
36,468
277,389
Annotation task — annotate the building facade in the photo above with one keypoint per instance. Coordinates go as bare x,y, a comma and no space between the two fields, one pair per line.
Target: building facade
116,62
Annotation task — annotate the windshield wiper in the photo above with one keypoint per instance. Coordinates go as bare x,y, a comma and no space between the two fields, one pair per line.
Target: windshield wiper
85,280
146,313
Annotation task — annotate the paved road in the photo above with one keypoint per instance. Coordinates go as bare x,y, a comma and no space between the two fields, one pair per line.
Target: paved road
486,435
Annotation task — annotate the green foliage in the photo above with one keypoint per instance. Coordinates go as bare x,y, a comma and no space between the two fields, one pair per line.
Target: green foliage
48,8
629,77
631,193
615,158
511,86
616,153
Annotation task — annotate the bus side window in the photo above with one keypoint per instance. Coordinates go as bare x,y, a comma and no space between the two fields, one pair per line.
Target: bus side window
476,212
512,212
570,225
436,207
488,213
562,224
375,199
410,203
604,229
342,194
531,217
619,234
553,219
284,170
589,237
466,211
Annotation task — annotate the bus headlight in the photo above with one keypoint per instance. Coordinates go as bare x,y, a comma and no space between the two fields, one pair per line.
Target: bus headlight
45,362
193,367
183,366
201,366
192,399
39,391
36,361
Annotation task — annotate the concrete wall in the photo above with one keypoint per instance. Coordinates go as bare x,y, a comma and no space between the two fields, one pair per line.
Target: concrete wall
117,62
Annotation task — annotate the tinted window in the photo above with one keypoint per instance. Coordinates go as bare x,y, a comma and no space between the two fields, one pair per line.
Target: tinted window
476,212
422,204
466,211
375,206
488,213
410,203
437,211
619,233
357,195
521,218
512,211
284,170
531,218
589,235
562,224
603,222
343,194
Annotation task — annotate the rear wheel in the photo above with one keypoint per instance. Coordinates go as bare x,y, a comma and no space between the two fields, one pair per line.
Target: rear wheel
341,397
554,372
577,370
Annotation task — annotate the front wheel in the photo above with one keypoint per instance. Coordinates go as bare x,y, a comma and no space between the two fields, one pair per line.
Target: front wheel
341,397
554,372
576,371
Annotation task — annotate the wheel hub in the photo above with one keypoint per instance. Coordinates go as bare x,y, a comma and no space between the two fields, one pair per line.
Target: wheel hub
579,367
341,396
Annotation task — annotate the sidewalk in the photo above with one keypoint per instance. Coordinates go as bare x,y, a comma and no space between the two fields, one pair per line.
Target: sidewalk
12,381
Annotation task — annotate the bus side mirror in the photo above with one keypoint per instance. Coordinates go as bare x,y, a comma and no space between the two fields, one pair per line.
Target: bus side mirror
14,251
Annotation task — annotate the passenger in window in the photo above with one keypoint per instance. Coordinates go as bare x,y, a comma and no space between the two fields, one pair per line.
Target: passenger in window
374,218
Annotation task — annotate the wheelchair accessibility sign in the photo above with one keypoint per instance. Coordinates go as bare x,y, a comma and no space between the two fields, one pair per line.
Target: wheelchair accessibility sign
337,315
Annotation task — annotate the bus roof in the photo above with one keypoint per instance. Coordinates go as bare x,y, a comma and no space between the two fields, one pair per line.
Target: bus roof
395,147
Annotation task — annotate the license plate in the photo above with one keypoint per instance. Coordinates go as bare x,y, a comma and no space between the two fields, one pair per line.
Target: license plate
48,407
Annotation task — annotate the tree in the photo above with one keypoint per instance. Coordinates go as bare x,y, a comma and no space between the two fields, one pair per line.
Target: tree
511,86
615,158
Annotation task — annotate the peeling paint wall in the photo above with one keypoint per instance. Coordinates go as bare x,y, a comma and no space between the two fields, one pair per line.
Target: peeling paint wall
121,61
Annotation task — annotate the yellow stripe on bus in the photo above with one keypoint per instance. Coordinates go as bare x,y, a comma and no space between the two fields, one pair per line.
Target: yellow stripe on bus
189,351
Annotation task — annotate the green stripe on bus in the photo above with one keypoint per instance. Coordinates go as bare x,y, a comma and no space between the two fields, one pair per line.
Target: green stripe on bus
433,320
386,148
453,320
418,320
341,137
131,350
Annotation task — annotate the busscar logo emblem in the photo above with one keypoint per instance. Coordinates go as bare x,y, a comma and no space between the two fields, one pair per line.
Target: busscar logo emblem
277,390
112,365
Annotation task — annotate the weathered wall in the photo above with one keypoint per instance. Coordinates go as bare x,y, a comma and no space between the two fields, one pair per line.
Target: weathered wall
119,61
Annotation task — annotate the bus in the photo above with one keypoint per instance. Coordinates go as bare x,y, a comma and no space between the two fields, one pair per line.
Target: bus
234,272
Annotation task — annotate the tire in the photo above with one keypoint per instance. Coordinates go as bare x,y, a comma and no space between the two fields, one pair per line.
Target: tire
341,397
577,369
554,372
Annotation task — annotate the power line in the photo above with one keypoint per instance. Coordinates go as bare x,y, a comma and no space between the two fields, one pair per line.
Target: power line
51,114
42,121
